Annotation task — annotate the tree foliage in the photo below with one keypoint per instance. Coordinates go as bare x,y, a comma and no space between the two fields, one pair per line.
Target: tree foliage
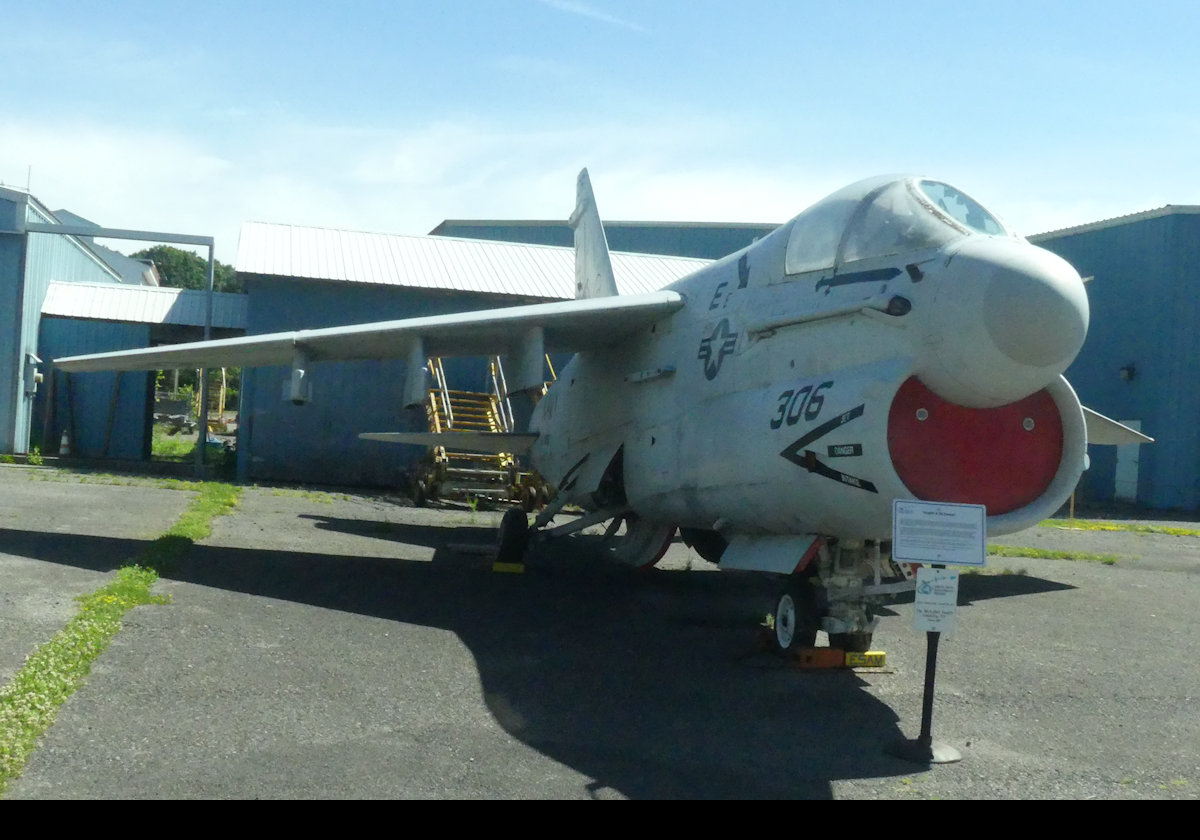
182,269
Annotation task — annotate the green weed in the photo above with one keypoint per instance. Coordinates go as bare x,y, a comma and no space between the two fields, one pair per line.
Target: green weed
1044,554
171,447
1128,527
52,673
311,495
29,703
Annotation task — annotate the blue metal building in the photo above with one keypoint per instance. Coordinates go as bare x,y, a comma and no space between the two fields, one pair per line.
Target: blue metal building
303,277
64,294
29,262
1138,363
108,415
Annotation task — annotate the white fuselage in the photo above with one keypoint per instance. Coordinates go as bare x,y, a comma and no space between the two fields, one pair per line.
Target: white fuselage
768,404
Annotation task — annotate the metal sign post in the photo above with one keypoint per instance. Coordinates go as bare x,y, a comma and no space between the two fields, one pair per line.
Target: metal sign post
935,535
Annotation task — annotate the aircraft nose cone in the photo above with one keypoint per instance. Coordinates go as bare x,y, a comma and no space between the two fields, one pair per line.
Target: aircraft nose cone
1035,307
1008,320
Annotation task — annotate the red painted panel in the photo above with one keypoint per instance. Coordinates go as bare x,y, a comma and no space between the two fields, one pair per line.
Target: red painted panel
981,456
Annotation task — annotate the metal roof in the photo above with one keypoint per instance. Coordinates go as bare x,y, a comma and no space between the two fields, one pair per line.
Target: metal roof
143,304
1145,215
438,262
132,271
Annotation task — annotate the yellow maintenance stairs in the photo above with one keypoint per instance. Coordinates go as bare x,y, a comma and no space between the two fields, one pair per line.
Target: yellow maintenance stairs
446,472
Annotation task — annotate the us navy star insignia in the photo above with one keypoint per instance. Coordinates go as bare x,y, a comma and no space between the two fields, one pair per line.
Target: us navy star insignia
725,342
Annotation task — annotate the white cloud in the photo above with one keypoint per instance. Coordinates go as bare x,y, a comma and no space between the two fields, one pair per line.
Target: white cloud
575,7
406,179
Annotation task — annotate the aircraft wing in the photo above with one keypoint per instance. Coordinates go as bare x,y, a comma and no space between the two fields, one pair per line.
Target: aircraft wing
567,326
517,443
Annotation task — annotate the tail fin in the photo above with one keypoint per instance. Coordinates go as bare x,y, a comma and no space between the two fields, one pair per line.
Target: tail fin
593,269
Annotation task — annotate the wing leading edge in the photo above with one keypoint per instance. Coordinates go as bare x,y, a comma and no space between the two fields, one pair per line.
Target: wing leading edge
566,326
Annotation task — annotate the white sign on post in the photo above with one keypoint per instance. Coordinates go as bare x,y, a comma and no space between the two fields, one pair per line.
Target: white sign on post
936,601
938,533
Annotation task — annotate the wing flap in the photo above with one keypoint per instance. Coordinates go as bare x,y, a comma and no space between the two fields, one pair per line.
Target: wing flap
568,326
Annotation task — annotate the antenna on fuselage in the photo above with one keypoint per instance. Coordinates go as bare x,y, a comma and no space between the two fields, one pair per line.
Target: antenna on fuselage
593,269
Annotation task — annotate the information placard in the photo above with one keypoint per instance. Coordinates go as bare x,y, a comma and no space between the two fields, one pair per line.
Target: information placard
939,533
936,600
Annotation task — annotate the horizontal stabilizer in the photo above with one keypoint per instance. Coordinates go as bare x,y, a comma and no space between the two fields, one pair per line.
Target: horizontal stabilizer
515,443
1107,432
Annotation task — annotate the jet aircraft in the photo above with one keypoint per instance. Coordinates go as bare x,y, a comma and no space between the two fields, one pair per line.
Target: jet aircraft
894,341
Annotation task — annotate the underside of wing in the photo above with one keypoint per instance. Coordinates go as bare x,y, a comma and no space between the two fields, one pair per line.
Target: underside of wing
514,443
526,331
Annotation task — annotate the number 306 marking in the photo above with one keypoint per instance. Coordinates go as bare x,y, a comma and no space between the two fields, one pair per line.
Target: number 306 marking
806,402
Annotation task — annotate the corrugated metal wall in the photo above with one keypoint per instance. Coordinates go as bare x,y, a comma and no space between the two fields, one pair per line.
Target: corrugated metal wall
12,271
28,264
1144,312
84,402
318,442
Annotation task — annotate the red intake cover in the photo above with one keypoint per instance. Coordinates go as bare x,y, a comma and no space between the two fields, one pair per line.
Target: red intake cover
979,456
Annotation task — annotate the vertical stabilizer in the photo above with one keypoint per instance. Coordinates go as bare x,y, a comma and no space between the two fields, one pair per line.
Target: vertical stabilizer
593,269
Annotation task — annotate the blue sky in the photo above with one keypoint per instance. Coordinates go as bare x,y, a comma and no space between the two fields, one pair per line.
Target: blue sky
391,116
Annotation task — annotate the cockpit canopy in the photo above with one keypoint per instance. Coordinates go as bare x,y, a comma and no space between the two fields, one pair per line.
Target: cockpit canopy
881,217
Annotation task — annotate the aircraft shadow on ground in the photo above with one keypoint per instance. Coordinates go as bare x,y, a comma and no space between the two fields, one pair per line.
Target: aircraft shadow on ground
654,684
430,536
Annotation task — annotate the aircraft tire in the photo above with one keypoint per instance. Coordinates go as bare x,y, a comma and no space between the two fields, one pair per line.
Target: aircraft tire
513,537
794,620
643,544
420,492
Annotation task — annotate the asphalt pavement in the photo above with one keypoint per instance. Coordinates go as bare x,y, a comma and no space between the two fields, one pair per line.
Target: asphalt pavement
338,645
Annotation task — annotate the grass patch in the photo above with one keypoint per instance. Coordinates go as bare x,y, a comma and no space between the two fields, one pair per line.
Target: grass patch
1043,554
215,499
171,447
29,703
52,673
311,495
1127,527
80,477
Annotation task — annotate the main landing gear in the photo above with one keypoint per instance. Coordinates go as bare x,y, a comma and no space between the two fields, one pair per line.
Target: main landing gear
628,539
512,540
836,593
640,543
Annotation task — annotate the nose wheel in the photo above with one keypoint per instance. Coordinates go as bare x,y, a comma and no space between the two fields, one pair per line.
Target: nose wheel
795,618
